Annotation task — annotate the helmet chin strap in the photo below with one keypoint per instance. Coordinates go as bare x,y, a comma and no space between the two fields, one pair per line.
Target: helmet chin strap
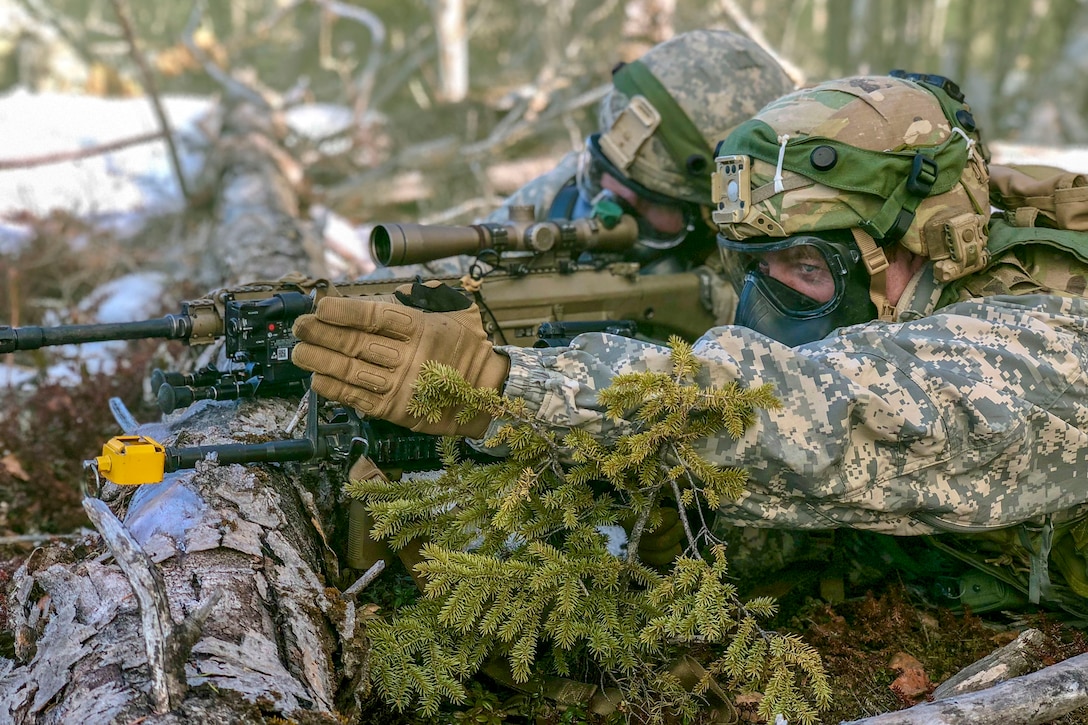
876,263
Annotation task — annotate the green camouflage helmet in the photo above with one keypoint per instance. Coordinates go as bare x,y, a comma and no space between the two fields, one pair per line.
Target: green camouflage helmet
667,109
896,159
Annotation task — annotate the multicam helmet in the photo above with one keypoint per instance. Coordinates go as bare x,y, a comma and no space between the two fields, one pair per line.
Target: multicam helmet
889,159
667,109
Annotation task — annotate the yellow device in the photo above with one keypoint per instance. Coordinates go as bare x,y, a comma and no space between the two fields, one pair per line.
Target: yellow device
131,460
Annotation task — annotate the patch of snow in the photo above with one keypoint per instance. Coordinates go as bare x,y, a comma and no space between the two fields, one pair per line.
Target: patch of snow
347,248
14,238
318,120
136,178
130,298
617,539
1071,158
16,376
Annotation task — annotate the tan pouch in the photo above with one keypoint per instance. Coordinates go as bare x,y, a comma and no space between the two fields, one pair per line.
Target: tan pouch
1040,196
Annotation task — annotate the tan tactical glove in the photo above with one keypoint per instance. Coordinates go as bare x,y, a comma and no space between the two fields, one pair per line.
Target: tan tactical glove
368,353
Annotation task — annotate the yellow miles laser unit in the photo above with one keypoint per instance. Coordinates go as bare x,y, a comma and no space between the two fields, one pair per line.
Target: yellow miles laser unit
132,460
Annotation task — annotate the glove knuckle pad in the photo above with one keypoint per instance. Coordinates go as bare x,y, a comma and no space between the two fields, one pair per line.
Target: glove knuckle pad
397,322
383,355
368,380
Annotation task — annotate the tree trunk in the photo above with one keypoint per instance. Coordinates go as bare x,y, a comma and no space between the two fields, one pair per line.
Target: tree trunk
451,34
215,601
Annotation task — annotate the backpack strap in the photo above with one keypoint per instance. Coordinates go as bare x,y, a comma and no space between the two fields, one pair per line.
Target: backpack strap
1039,576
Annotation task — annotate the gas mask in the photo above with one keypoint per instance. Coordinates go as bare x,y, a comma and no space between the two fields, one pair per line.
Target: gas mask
800,288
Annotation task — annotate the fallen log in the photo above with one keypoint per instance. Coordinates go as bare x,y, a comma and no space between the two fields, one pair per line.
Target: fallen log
210,597
1038,697
1017,658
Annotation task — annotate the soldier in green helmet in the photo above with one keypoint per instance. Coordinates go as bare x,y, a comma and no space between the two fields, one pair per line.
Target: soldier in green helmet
653,156
931,357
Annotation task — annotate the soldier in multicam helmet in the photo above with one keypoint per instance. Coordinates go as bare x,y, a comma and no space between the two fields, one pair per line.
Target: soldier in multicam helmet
654,154
931,361
832,199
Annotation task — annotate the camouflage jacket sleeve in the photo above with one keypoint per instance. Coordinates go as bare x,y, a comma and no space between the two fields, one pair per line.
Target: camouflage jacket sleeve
974,416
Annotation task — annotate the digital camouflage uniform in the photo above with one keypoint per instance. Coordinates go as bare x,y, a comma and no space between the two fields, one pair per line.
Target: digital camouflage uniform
975,415
966,413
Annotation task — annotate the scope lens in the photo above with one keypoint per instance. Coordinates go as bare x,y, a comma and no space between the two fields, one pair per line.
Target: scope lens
380,245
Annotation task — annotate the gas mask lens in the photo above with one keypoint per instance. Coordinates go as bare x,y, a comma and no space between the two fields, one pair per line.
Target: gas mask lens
800,278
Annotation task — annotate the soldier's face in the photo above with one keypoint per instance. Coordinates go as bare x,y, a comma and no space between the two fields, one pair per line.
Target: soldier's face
802,269
665,218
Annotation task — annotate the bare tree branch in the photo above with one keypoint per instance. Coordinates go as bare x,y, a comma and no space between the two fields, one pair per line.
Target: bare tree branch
507,133
167,644
152,91
62,156
742,21
364,84
233,88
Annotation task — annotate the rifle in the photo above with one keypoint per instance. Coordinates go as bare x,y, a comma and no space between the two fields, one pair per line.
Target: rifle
535,276
537,291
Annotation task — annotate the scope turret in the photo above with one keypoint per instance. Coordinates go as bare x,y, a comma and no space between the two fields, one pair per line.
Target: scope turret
396,244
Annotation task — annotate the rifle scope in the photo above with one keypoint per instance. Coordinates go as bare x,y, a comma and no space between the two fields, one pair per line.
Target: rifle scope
396,244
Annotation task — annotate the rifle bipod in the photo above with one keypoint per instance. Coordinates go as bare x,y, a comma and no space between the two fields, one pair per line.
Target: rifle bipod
347,441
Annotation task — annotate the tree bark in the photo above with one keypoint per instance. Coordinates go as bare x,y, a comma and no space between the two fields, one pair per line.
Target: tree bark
215,600
1032,699
451,33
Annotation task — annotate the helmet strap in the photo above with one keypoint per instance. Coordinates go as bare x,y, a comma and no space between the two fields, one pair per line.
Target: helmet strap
876,263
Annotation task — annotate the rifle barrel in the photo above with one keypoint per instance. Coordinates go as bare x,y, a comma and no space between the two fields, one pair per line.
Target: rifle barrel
295,449
171,327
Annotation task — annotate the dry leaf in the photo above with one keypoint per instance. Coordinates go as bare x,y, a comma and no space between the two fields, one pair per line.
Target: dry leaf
11,464
913,682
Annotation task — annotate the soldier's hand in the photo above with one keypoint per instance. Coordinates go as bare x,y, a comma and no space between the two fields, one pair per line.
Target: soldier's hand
368,353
